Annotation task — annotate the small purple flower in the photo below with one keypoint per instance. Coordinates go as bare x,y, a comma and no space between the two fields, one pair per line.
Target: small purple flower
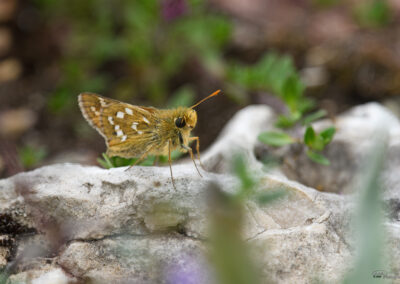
172,9
188,270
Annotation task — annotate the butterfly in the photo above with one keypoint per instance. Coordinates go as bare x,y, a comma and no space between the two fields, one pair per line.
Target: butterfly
137,131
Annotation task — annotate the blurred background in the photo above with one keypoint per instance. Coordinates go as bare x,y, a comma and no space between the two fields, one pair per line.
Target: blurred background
166,53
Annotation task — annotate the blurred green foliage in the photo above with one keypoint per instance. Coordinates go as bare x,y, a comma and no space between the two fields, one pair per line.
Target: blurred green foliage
247,181
30,156
276,139
229,253
367,13
3,278
133,36
136,48
373,13
368,223
184,96
369,220
313,142
249,184
275,74
316,142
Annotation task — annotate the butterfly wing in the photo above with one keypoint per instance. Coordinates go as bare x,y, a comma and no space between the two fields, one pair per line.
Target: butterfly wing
128,129
91,106
131,130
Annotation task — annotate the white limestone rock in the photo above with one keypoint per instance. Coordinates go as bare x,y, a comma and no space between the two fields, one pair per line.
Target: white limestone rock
131,226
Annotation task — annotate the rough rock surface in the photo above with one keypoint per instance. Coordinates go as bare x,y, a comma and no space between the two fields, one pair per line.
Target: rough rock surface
76,223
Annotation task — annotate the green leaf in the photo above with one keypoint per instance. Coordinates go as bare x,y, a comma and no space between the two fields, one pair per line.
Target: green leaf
106,162
309,136
318,158
313,140
327,134
291,91
276,139
314,116
102,163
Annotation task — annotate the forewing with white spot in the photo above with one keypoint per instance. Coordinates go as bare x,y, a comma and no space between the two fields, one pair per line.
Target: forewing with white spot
132,133
127,128
91,106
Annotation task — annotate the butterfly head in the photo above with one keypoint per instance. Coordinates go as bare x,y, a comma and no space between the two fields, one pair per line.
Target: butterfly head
187,119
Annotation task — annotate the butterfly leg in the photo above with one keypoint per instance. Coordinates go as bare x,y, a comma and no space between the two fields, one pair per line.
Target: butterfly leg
197,149
169,161
191,156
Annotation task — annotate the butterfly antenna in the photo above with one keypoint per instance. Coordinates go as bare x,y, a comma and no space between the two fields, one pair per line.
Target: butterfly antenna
210,96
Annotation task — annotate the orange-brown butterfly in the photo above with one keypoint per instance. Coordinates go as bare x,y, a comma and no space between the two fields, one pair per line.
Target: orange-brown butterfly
137,131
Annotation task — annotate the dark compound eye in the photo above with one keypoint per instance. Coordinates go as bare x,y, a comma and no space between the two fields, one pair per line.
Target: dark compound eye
180,122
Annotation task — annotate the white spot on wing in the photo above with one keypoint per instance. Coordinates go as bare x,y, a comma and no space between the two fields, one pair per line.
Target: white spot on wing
123,138
146,120
120,114
97,113
120,133
116,127
128,111
93,108
140,132
110,120
102,102
134,126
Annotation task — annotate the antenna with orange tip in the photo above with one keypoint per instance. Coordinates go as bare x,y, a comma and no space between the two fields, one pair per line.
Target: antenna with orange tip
212,95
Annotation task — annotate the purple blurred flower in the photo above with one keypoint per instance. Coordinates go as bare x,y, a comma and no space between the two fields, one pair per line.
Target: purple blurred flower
188,270
172,9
